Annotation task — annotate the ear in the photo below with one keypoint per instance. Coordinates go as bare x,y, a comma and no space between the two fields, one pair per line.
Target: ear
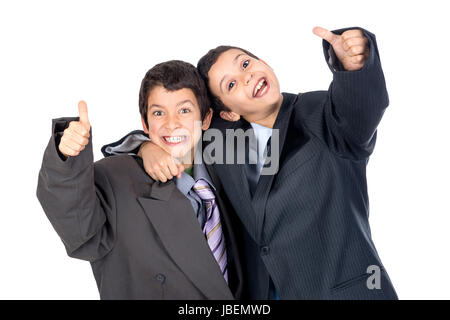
144,126
207,121
229,116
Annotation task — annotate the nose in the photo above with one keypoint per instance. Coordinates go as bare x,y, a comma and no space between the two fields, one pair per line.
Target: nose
248,77
172,122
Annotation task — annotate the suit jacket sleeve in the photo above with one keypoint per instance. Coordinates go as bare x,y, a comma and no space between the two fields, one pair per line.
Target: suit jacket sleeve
351,110
129,144
77,199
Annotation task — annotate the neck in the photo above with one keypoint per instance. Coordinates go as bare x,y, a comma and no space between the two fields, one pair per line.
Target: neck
187,161
187,166
269,119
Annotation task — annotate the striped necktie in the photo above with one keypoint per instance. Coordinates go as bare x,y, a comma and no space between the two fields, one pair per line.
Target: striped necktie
213,227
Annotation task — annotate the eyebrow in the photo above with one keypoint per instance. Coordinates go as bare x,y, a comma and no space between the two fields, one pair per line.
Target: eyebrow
234,62
178,104
185,101
155,106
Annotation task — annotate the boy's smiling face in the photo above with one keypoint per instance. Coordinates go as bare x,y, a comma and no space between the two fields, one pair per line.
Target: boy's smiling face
247,86
174,121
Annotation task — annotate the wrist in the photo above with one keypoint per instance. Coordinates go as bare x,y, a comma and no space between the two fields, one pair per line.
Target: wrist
142,146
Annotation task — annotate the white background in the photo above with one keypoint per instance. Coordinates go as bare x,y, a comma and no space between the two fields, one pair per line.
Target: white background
54,53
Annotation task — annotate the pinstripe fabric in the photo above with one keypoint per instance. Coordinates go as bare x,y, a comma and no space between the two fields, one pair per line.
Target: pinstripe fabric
307,226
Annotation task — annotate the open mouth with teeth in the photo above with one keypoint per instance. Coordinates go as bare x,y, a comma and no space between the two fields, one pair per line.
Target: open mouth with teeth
174,140
261,88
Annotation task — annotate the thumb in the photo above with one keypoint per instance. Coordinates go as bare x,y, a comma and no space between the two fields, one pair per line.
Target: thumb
180,170
325,34
83,112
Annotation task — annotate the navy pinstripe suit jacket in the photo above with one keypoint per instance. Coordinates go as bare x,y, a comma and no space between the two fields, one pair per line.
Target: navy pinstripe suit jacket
308,225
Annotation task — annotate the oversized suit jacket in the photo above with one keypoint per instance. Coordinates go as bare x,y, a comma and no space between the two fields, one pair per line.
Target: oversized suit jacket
141,237
307,226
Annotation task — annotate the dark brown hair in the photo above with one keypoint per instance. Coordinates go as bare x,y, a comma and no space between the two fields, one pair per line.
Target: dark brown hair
173,75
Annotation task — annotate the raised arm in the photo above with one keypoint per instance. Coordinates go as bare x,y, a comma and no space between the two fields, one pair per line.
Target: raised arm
357,96
77,199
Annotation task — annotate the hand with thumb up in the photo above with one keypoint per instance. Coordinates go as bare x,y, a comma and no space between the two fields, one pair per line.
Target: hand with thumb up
351,47
76,137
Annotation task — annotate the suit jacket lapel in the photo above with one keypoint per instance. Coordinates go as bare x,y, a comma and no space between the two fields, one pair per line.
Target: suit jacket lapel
171,214
261,194
234,179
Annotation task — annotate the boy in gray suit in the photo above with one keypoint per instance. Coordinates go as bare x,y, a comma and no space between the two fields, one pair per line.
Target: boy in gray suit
145,239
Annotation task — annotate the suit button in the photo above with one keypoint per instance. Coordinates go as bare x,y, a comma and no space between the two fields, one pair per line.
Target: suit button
265,250
160,277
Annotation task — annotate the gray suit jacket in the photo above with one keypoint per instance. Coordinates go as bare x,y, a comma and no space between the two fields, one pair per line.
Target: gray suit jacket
141,237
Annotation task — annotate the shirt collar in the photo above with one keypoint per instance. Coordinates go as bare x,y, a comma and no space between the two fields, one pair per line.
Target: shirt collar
261,131
200,172
262,135
186,182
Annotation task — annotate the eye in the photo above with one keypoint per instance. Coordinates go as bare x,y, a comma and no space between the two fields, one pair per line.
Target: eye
231,85
185,110
157,113
245,64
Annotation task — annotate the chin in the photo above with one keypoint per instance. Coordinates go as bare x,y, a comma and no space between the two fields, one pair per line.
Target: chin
276,99
272,99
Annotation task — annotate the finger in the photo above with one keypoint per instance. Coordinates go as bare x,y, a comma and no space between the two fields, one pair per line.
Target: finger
83,113
166,172
325,34
66,140
180,169
173,168
356,50
151,174
78,128
352,34
359,59
67,151
160,177
76,137
358,41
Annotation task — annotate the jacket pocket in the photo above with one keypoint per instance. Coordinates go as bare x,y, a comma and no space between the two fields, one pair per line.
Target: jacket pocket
356,288
350,282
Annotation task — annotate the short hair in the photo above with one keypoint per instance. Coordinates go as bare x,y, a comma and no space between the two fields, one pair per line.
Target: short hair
204,65
173,75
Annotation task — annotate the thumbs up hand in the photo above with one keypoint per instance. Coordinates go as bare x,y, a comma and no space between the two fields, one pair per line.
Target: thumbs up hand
76,137
351,47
